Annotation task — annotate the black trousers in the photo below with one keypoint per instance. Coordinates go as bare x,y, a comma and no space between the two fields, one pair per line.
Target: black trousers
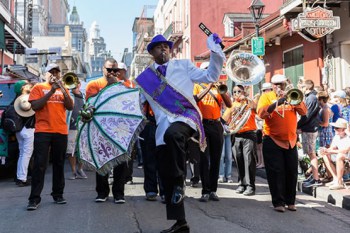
150,162
210,158
56,145
244,150
282,172
172,165
119,174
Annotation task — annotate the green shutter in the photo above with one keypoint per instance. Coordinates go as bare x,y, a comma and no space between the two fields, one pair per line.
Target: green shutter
2,35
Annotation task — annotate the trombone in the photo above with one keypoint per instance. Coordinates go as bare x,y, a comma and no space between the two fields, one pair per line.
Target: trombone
293,97
222,88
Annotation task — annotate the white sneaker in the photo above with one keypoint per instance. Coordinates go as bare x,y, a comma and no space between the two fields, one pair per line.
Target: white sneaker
336,186
81,174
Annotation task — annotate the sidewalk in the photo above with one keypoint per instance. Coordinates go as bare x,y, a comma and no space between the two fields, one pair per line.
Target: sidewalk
340,198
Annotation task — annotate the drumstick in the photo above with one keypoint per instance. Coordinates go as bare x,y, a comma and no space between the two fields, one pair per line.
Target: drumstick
208,32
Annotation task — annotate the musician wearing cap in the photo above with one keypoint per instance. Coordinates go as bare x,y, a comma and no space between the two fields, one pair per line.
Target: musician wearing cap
244,147
340,148
49,100
279,143
167,85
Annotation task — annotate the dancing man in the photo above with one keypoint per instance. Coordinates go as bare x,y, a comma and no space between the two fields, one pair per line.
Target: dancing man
168,88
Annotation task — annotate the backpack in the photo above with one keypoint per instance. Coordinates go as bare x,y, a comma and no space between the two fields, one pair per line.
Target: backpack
11,121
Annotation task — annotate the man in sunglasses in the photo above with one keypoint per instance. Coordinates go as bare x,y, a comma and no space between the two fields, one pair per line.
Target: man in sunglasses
244,147
111,74
279,143
167,85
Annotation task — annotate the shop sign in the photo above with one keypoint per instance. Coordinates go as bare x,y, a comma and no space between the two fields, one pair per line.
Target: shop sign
316,21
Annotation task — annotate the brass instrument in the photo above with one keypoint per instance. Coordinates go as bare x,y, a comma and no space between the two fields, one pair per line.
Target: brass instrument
222,88
238,116
70,80
244,69
293,97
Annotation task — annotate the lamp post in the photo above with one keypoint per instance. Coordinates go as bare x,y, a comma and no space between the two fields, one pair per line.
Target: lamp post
256,9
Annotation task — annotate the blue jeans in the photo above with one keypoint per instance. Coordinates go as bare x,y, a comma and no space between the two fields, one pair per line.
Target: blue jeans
226,158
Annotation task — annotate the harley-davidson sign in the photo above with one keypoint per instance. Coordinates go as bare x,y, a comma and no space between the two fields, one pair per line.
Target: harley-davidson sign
317,21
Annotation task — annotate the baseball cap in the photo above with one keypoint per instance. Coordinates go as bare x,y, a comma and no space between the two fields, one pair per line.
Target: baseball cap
52,66
18,86
340,94
278,78
122,66
266,86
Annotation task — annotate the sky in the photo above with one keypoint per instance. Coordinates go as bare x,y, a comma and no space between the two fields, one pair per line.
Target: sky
115,19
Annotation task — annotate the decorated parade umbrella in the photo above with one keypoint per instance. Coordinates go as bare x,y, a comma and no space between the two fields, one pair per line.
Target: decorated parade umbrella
106,139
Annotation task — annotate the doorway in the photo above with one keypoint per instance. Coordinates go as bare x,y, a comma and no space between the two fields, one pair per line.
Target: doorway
294,64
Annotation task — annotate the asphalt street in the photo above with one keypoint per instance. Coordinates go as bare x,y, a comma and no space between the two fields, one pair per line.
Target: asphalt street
233,213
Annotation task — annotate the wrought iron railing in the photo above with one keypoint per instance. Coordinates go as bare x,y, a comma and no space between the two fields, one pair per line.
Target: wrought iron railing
19,30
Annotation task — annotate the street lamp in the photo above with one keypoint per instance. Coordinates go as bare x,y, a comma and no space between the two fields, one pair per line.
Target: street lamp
256,9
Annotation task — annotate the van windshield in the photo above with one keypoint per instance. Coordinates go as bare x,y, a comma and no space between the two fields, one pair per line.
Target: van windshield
8,94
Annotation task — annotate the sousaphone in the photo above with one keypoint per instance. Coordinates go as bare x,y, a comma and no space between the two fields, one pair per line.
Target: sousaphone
244,69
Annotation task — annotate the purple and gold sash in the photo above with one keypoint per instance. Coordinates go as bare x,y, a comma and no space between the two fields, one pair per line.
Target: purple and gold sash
170,100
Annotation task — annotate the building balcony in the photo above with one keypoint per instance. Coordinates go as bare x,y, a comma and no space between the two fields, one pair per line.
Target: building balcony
174,32
5,10
17,39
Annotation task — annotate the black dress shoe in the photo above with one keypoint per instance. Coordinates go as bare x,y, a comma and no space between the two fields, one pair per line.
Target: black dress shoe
178,195
178,228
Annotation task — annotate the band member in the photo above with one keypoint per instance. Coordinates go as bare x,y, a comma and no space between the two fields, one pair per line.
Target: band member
167,85
279,143
111,74
209,101
244,148
49,100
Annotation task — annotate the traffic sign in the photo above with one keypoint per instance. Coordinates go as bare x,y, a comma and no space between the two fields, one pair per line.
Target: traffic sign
258,46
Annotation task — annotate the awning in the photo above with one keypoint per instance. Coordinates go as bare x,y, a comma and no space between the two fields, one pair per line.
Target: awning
22,72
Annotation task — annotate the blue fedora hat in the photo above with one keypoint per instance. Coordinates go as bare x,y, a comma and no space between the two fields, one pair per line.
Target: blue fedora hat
158,39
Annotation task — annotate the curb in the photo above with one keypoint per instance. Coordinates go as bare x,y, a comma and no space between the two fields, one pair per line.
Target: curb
340,198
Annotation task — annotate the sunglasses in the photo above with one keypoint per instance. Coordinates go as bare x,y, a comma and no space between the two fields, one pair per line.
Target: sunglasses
266,90
110,70
336,128
237,91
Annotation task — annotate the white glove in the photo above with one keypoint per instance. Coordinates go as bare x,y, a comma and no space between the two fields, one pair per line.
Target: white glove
215,46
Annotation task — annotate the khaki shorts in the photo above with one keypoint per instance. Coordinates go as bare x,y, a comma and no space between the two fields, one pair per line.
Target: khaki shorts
72,136
308,141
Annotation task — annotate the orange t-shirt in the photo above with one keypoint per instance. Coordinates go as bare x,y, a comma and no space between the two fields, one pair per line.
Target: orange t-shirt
209,107
281,130
249,125
52,117
94,86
